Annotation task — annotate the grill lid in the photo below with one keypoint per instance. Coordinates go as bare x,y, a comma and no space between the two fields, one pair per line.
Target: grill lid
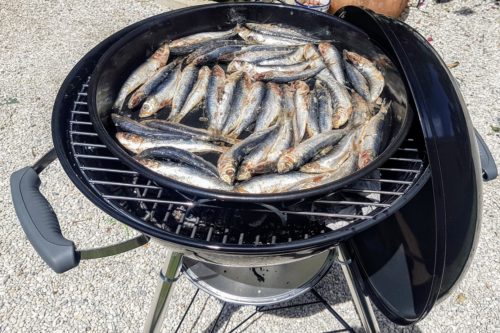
453,155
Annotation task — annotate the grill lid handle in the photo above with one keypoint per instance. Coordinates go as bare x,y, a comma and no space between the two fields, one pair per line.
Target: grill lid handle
488,165
41,225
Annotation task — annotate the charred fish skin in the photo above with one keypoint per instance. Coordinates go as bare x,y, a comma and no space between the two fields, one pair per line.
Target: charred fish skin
357,80
334,159
271,107
185,131
341,99
228,162
251,108
361,111
302,106
196,95
215,91
240,97
180,156
373,134
368,69
185,174
152,83
333,60
142,74
162,96
137,143
297,156
224,106
183,89
190,43
325,107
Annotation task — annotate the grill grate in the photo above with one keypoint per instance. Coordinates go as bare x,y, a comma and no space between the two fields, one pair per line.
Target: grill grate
222,223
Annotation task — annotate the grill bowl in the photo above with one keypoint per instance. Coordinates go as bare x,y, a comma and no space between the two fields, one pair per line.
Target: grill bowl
134,48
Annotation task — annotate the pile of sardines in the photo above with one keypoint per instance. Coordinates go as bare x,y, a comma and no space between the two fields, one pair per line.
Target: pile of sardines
283,110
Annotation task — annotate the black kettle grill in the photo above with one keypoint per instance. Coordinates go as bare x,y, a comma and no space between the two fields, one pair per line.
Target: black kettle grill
405,236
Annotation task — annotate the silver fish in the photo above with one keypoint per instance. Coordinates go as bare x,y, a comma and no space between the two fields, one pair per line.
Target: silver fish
274,183
162,96
131,126
325,106
271,107
240,96
136,144
312,126
190,43
361,111
292,58
211,47
215,91
374,77
302,102
182,90
334,159
297,156
224,53
341,99
152,83
313,68
180,156
253,37
347,167
185,174
142,74
249,163
229,161
282,31
255,69
251,108
224,106
284,140
333,60
373,134
196,95
357,80
184,130
262,55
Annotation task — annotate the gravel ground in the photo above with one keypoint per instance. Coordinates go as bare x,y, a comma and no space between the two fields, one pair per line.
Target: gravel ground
42,40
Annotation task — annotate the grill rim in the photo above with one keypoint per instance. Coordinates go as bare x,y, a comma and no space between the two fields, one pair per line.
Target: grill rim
118,151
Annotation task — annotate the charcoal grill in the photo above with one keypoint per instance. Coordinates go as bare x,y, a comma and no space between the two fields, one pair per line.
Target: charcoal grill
408,213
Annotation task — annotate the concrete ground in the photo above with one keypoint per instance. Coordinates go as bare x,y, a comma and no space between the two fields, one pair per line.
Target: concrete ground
40,41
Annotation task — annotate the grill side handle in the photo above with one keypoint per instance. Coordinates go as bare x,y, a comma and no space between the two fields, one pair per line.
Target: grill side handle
488,166
40,223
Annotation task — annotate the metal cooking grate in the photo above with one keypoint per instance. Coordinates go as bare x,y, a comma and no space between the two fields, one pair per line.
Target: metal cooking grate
219,222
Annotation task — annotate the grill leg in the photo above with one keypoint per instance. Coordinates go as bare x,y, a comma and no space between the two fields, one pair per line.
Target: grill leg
361,302
169,274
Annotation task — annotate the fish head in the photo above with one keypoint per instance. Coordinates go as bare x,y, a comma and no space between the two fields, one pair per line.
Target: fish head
162,54
286,162
310,52
149,107
130,141
235,66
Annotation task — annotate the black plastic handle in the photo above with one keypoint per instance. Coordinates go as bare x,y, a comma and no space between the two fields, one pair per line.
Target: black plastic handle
488,165
40,223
